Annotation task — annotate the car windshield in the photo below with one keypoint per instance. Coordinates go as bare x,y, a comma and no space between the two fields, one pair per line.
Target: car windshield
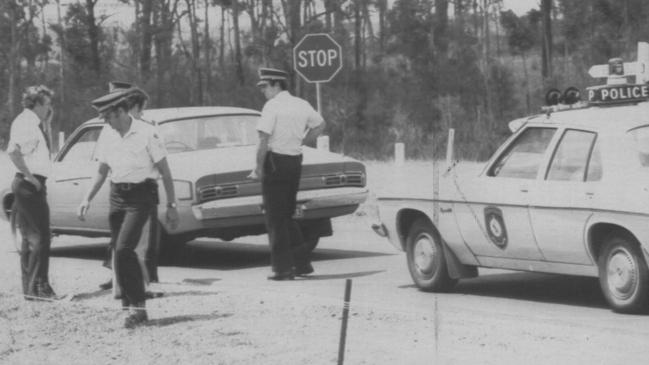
209,132
640,137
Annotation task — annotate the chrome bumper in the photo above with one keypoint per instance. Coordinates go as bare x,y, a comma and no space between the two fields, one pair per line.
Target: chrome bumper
306,201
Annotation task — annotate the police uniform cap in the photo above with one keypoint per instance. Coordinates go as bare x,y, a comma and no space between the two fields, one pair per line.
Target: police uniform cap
118,85
105,103
271,74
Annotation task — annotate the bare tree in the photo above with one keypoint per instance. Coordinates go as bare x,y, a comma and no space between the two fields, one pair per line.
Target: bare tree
546,13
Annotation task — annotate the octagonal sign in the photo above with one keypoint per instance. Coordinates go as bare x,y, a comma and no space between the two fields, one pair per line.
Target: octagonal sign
317,57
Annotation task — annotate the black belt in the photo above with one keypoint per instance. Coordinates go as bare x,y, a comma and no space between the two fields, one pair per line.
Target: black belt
20,175
134,186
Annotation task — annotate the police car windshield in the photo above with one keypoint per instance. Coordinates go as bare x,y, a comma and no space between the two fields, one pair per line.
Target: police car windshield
203,133
640,137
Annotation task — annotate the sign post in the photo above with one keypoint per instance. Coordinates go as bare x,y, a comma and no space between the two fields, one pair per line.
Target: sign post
317,58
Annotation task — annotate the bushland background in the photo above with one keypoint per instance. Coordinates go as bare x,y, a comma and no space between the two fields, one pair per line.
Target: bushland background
412,68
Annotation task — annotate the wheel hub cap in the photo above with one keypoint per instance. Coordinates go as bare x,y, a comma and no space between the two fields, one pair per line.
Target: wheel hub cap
622,274
425,253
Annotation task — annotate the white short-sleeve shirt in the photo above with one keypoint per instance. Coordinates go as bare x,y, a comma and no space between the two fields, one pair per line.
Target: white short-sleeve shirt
26,136
286,118
131,158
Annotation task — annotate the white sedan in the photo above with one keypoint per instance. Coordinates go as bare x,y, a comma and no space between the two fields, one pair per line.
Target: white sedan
211,152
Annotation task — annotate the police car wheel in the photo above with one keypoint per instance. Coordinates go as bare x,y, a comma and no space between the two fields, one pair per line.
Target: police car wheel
425,256
623,275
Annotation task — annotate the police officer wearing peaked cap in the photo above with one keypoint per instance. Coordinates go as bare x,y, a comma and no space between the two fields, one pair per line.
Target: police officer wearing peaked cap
285,124
135,156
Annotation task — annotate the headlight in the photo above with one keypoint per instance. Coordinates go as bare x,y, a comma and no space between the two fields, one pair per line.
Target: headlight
183,190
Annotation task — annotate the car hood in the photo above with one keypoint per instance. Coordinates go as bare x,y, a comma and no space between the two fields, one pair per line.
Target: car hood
195,164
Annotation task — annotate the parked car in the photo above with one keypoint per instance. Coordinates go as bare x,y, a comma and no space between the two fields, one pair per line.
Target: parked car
211,152
566,193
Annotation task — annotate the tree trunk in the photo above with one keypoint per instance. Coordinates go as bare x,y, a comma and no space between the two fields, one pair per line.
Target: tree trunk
237,42
222,42
383,6
93,34
147,38
546,13
441,27
197,77
357,35
207,50
13,57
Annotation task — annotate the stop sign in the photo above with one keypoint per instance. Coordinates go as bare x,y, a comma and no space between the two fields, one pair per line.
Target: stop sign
317,57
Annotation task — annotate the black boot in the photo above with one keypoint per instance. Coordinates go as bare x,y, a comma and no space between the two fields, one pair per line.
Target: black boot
137,317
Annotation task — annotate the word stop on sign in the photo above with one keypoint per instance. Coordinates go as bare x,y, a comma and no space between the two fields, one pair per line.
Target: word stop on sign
320,58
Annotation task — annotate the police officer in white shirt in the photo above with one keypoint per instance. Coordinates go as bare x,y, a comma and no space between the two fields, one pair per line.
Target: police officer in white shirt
29,151
286,123
134,154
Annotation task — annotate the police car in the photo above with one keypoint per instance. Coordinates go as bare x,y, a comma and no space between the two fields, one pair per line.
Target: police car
566,193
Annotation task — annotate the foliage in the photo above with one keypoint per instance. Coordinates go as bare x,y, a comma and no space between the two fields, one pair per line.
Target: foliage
409,73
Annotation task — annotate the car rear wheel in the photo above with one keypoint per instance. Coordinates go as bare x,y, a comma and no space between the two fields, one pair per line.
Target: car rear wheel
311,243
623,275
425,256
172,249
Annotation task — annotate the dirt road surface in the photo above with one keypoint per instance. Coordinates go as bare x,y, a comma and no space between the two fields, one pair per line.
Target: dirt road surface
218,308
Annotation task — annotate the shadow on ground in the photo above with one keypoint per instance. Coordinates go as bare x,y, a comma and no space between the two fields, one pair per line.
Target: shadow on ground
212,254
168,321
536,287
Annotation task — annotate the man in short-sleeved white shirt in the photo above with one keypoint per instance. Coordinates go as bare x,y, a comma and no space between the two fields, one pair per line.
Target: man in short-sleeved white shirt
286,123
29,151
134,154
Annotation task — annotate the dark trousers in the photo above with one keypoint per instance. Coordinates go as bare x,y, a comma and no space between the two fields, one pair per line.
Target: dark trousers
32,216
152,249
129,211
279,191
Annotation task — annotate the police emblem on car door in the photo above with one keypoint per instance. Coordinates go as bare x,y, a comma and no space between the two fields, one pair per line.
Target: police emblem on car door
495,226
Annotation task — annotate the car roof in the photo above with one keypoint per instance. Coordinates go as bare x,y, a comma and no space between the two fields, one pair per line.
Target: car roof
165,114
603,118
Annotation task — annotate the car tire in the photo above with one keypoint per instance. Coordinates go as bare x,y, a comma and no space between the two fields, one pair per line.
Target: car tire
426,261
311,243
172,249
623,275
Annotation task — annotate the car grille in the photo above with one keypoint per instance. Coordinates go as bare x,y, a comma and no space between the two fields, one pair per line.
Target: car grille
349,179
217,192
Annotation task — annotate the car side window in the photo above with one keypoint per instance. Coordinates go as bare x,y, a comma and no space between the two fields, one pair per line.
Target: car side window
595,165
570,159
83,146
523,157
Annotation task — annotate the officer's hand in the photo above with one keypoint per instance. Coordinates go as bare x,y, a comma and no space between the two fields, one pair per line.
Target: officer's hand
82,210
172,217
34,181
255,175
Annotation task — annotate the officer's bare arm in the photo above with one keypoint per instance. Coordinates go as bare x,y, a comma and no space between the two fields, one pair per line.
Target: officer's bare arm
167,179
262,150
16,157
97,182
312,134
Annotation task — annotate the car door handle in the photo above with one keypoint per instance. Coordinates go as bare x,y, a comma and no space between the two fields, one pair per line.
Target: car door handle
446,210
524,190
590,194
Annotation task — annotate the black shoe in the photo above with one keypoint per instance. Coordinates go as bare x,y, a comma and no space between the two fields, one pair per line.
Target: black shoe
304,270
153,294
137,318
45,291
280,276
107,285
